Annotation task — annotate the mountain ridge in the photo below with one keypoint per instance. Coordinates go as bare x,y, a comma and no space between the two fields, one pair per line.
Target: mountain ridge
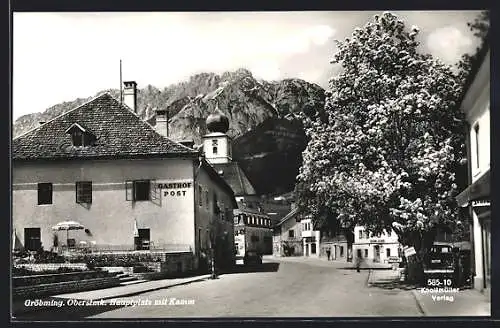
263,118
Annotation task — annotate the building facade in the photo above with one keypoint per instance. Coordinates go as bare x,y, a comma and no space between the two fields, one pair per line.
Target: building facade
476,197
130,187
252,232
310,238
252,227
338,247
371,248
287,236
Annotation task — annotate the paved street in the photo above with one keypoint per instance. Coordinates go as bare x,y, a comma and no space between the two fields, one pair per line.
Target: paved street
288,287
284,289
280,288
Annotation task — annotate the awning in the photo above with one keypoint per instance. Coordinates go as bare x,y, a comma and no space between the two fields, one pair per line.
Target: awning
479,190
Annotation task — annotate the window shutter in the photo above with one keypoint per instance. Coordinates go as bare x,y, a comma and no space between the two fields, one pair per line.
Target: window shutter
155,192
129,190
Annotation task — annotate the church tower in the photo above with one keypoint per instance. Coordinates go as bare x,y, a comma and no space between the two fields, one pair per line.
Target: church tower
217,144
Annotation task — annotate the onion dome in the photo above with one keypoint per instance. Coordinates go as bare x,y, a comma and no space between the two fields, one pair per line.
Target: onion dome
217,122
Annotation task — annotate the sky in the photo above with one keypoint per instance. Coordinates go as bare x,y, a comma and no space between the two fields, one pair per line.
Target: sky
59,57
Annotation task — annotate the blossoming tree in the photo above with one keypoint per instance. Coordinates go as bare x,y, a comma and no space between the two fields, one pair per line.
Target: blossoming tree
388,151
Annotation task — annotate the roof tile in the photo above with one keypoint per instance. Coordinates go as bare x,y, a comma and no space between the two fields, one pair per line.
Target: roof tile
119,133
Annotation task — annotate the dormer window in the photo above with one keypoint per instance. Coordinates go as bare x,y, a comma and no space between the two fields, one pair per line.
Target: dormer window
80,136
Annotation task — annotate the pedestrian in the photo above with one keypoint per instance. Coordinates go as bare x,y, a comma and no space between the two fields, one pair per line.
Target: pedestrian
328,254
359,259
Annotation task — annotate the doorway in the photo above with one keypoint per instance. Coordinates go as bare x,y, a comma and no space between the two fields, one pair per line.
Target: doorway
376,256
486,232
143,241
32,239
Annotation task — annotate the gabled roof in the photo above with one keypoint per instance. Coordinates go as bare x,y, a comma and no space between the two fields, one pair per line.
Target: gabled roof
119,134
236,178
77,126
293,213
251,211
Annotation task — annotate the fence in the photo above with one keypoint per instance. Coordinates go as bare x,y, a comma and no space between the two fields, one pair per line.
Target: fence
128,248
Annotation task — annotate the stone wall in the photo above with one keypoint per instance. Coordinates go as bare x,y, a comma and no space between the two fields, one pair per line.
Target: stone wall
40,279
173,263
40,290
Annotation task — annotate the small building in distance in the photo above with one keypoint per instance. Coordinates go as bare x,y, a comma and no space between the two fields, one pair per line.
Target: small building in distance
252,232
381,248
287,235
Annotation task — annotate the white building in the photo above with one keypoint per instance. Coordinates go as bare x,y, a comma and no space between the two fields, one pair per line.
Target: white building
476,106
375,248
310,238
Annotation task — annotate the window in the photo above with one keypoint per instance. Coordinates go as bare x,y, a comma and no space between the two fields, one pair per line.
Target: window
214,146
215,206
360,236
388,252
77,137
84,192
200,195
341,251
80,136
291,233
366,252
476,137
44,193
254,238
206,199
32,239
138,190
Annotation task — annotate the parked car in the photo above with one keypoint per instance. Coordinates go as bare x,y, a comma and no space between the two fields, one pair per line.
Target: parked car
439,263
252,258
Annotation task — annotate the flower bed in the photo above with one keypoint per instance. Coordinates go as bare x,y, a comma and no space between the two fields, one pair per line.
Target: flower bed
37,257
46,268
115,260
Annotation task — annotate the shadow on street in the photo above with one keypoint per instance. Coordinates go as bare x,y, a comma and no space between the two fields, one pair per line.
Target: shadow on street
391,284
264,267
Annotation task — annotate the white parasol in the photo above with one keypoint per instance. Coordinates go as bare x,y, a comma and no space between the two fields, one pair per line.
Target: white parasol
68,225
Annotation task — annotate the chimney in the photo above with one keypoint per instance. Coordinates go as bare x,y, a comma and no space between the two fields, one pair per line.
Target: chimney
130,95
162,122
